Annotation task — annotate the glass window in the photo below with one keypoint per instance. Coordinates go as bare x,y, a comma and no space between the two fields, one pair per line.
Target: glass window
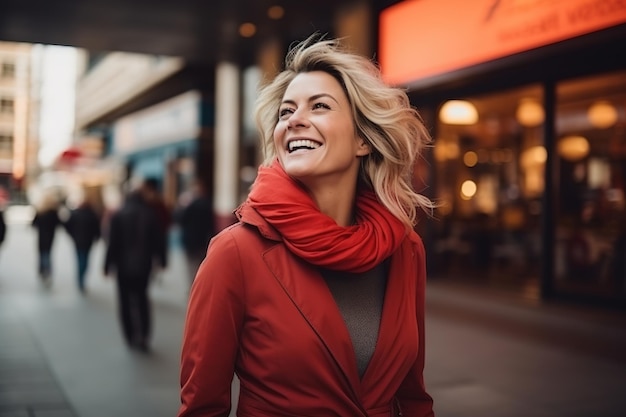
6,105
591,166
489,166
7,70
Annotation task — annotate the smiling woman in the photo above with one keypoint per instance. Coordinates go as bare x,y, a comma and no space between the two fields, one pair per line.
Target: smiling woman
318,305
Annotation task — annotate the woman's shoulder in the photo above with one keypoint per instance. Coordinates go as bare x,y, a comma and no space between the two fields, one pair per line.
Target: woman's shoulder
236,251
241,235
237,230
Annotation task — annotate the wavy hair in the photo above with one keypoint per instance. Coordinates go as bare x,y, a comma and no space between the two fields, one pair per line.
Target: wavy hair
383,117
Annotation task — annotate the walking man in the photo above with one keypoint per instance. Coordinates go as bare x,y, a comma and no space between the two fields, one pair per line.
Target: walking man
83,225
135,244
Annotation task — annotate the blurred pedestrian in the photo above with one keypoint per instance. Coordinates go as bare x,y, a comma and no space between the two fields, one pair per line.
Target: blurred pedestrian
134,247
46,221
152,195
196,227
83,226
3,226
315,298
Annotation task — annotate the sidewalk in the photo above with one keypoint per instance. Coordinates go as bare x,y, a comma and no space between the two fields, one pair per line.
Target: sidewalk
62,354
495,355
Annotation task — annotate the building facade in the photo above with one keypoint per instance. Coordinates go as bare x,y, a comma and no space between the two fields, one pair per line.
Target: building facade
527,105
18,124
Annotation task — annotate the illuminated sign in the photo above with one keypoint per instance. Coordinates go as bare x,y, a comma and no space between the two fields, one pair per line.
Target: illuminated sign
423,38
168,122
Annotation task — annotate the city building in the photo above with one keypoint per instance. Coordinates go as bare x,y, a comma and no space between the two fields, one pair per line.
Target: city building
18,110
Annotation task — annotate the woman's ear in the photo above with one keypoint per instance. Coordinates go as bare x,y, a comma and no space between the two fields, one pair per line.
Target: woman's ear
364,147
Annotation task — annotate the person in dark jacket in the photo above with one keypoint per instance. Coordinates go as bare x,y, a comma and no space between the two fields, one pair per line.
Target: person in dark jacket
135,244
46,221
3,226
196,227
151,193
83,226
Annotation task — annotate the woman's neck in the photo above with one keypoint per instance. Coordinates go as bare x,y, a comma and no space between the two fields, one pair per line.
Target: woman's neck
336,203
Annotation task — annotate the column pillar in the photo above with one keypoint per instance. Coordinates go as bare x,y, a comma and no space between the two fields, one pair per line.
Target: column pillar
226,179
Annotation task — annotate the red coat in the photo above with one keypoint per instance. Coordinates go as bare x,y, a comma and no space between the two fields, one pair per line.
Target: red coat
257,310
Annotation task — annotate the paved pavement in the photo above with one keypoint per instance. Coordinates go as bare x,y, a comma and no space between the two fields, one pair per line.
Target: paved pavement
489,354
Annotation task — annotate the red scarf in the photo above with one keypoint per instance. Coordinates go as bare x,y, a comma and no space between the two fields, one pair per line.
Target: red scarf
316,237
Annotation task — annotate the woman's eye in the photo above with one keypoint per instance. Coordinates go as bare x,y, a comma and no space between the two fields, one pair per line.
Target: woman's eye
282,113
321,106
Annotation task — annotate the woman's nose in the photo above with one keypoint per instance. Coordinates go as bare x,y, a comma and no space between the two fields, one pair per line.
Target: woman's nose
297,119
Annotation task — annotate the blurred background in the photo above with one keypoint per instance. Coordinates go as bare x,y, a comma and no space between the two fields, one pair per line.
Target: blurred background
525,101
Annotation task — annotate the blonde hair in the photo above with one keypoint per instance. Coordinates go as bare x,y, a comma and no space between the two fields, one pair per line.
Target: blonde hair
383,117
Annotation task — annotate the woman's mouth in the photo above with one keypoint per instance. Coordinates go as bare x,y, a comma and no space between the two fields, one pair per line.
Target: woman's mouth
302,144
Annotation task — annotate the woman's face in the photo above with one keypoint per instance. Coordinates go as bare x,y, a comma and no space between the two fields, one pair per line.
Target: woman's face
315,137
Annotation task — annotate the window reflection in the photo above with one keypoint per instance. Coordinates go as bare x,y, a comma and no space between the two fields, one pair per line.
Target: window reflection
489,179
489,182
592,172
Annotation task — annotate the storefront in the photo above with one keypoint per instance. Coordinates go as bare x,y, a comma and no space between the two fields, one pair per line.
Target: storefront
165,142
526,102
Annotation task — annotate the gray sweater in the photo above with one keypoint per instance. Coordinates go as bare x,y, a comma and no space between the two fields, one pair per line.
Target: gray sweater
360,300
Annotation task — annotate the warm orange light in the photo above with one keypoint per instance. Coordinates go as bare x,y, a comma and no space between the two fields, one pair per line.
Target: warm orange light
247,30
275,12
602,114
446,150
470,159
533,156
573,148
533,160
529,113
468,189
458,112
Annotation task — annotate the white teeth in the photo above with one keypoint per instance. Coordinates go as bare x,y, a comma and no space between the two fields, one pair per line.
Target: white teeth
302,143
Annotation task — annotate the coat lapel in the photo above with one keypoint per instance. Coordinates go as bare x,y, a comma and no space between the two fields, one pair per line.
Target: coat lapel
393,354
308,291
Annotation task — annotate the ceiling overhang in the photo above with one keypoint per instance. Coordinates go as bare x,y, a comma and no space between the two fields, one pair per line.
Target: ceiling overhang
197,30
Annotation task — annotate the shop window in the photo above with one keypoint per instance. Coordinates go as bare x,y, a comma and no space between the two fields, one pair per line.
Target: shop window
489,162
7,70
591,166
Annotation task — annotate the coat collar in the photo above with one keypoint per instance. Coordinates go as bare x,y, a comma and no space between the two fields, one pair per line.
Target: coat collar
247,214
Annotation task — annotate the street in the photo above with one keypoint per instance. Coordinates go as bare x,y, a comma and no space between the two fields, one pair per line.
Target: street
487,354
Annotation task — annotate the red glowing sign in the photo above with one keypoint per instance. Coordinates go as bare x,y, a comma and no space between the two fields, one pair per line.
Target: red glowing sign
422,38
